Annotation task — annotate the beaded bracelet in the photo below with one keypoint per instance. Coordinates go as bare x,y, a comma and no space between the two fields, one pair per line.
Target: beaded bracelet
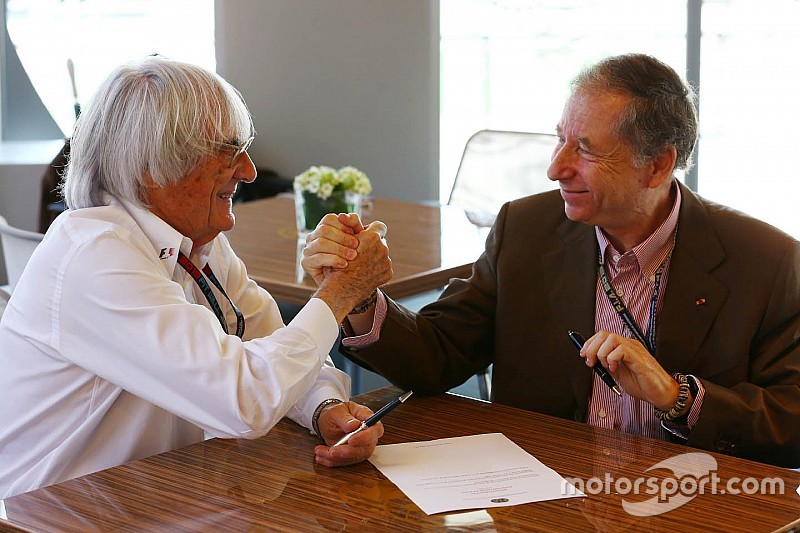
318,413
684,389
366,304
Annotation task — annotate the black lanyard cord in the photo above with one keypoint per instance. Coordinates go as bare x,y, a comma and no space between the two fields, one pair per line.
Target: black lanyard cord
197,276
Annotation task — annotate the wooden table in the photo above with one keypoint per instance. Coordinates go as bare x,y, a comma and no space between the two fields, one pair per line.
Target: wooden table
272,483
429,244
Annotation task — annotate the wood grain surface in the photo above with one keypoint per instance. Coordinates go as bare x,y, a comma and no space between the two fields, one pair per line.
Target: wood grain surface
273,484
428,244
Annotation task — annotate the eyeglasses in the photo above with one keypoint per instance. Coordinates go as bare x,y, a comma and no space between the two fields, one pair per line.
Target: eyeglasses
239,149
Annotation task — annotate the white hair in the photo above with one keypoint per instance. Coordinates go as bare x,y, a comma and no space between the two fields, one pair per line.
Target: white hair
153,119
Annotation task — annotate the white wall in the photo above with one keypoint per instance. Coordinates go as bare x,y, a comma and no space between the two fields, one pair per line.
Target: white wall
339,82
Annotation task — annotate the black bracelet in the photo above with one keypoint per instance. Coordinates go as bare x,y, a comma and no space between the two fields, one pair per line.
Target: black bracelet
366,304
684,392
318,412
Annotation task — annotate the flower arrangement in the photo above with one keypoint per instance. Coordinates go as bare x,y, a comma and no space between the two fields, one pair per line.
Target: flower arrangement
321,190
323,181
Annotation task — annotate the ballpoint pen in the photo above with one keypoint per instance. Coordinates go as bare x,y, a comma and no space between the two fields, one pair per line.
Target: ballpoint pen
374,419
578,340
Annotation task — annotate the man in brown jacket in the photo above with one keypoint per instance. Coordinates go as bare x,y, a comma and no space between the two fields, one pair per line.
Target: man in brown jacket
692,307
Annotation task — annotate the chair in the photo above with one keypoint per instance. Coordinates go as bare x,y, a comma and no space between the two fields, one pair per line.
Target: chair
4,297
18,245
498,166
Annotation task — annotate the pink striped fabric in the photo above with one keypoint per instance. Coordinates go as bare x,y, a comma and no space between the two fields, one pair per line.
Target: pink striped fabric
632,275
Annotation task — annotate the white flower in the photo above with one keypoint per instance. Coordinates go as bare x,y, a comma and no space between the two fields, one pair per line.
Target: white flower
323,181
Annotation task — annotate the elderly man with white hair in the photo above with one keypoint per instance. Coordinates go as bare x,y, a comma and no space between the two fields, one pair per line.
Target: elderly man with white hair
135,327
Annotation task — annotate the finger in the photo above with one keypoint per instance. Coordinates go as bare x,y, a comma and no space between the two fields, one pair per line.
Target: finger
358,448
342,222
378,227
317,262
352,221
344,417
615,358
324,247
361,412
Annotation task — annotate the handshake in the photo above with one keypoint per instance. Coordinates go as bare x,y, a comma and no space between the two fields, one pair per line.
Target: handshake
348,261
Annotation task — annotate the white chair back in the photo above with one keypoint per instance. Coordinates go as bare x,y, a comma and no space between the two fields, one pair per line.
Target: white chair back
18,246
499,166
4,297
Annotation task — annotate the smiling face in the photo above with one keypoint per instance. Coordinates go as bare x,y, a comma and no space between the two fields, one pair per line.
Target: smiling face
595,169
200,205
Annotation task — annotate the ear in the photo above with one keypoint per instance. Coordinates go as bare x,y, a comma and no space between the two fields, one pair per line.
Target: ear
661,167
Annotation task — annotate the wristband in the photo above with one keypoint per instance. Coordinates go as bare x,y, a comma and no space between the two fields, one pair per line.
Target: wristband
684,392
318,412
366,304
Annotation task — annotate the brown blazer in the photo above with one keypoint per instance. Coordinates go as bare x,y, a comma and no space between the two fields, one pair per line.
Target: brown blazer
731,316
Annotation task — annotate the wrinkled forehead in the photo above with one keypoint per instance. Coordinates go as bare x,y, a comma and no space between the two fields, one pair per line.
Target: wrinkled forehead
592,111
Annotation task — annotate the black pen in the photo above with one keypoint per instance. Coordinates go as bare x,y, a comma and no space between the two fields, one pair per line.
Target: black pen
578,340
374,419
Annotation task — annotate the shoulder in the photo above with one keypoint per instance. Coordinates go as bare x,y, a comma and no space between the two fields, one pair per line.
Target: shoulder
546,207
87,224
735,230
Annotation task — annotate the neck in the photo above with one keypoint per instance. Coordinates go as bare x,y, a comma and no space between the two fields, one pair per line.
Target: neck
649,219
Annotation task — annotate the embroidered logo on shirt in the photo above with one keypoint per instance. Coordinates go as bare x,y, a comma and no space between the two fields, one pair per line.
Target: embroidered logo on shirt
166,252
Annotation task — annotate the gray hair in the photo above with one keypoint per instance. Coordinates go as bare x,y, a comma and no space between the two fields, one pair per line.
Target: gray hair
662,108
152,119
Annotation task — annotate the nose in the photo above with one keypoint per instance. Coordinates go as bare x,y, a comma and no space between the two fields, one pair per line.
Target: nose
245,169
560,165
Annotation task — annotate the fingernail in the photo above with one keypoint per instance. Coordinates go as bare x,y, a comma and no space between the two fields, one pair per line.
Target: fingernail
351,254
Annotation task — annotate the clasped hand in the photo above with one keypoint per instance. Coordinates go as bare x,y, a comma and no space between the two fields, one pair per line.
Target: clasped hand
340,239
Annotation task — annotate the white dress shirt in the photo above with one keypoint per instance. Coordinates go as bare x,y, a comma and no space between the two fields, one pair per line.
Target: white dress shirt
110,352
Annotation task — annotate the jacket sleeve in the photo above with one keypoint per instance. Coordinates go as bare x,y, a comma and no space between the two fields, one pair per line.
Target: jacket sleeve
449,340
759,417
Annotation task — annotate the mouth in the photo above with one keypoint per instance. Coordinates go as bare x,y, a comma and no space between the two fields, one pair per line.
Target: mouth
226,195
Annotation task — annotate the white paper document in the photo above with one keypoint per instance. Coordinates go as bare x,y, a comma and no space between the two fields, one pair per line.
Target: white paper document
472,472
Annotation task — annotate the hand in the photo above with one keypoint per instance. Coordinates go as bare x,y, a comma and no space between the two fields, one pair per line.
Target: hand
632,366
339,420
343,288
332,243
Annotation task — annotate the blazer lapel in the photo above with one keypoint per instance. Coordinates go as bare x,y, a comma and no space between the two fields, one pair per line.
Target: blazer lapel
693,296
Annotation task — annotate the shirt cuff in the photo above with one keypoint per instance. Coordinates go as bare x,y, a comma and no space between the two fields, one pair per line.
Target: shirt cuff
360,341
682,430
318,321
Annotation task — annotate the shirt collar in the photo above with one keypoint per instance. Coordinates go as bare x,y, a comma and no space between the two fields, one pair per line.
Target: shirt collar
166,240
653,251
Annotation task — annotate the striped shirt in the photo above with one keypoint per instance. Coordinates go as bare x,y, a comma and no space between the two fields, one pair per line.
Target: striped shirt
632,274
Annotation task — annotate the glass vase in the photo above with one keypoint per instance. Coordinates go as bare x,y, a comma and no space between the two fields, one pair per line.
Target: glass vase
310,208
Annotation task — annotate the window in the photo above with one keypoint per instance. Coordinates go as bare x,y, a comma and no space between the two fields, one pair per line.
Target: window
506,64
98,35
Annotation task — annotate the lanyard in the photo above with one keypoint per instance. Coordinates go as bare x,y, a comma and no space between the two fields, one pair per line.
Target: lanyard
616,302
194,272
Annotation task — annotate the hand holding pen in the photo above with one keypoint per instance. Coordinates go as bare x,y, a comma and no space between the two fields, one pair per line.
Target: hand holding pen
578,340
374,419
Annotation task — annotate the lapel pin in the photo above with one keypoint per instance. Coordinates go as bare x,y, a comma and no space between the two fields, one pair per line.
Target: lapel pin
700,301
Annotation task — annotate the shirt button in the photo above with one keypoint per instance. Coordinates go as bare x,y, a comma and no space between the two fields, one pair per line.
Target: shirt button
601,413
615,257
621,292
